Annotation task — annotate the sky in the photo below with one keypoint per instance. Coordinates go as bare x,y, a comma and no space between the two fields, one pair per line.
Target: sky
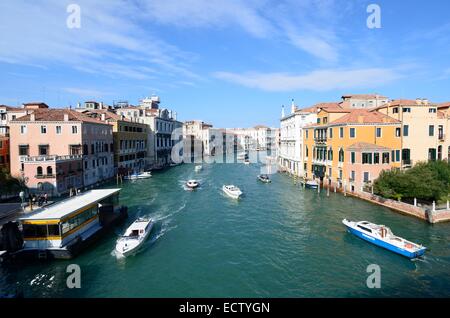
230,63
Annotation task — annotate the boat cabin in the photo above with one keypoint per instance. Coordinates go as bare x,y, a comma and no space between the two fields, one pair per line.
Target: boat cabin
58,225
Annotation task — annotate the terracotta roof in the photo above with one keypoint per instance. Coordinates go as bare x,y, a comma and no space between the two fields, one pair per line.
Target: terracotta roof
10,108
109,115
364,116
444,105
359,146
365,96
58,115
316,107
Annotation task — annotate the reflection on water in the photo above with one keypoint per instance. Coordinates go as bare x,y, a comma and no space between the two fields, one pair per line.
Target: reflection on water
279,240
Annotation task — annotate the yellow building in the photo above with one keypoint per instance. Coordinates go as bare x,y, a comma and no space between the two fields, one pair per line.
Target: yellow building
424,127
350,147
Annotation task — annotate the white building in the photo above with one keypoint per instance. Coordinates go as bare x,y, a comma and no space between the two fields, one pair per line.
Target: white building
290,156
258,138
162,123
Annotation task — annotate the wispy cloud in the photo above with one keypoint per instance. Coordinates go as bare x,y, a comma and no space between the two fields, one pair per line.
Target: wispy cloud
107,34
320,80
86,92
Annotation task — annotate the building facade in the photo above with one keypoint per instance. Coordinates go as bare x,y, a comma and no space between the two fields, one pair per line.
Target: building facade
55,150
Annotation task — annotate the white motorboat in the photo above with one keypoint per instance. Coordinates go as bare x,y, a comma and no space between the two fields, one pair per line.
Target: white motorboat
312,184
198,168
232,191
192,184
382,236
264,178
134,236
136,176
246,162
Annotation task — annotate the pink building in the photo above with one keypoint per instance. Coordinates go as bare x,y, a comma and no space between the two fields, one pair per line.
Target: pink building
57,149
366,161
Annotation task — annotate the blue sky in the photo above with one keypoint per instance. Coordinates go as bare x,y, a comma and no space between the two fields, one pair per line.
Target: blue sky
230,63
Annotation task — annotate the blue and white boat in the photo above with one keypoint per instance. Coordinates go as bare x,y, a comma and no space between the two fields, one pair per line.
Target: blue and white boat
382,236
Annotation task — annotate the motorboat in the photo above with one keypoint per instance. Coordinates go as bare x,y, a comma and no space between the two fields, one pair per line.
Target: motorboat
232,191
382,236
134,236
140,175
246,162
312,184
242,156
192,184
264,178
198,168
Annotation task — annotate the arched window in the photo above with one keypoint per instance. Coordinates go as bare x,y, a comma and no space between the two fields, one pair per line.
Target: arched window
49,170
39,171
330,154
341,155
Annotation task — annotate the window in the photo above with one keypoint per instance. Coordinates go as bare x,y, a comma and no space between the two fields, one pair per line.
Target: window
340,174
367,158
378,132
432,154
353,175
74,130
432,110
43,129
306,134
431,130
58,130
376,158
24,150
441,132
331,133
306,151
353,157
395,110
341,132
352,132
341,155
92,149
439,152
23,129
49,171
405,130
39,171
43,150
397,132
366,176
407,110
385,158
397,155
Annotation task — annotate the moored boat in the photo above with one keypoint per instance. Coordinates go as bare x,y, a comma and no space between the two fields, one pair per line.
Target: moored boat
312,184
136,176
382,236
232,191
264,178
134,236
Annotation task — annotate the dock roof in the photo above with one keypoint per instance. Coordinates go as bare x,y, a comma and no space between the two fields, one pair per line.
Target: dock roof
68,206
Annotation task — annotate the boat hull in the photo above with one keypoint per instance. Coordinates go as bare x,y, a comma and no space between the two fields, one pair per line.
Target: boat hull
137,244
385,245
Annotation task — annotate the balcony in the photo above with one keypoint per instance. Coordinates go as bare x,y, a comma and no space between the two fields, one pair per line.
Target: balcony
45,176
37,159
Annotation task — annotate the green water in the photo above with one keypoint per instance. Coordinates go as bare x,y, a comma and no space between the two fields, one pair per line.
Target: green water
278,241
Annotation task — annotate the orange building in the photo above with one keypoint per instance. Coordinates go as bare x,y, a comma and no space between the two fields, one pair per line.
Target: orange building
348,148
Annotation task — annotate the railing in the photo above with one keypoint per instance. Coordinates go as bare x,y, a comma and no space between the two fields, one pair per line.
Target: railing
49,158
45,176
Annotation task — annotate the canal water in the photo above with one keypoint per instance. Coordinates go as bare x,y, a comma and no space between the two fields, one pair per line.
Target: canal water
279,240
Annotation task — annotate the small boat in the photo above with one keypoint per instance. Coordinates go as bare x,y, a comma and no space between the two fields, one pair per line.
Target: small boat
198,168
232,191
136,176
192,184
242,156
312,184
382,236
264,178
134,236
246,162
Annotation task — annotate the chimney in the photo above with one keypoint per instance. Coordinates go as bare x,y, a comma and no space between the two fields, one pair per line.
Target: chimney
32,117
66,117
